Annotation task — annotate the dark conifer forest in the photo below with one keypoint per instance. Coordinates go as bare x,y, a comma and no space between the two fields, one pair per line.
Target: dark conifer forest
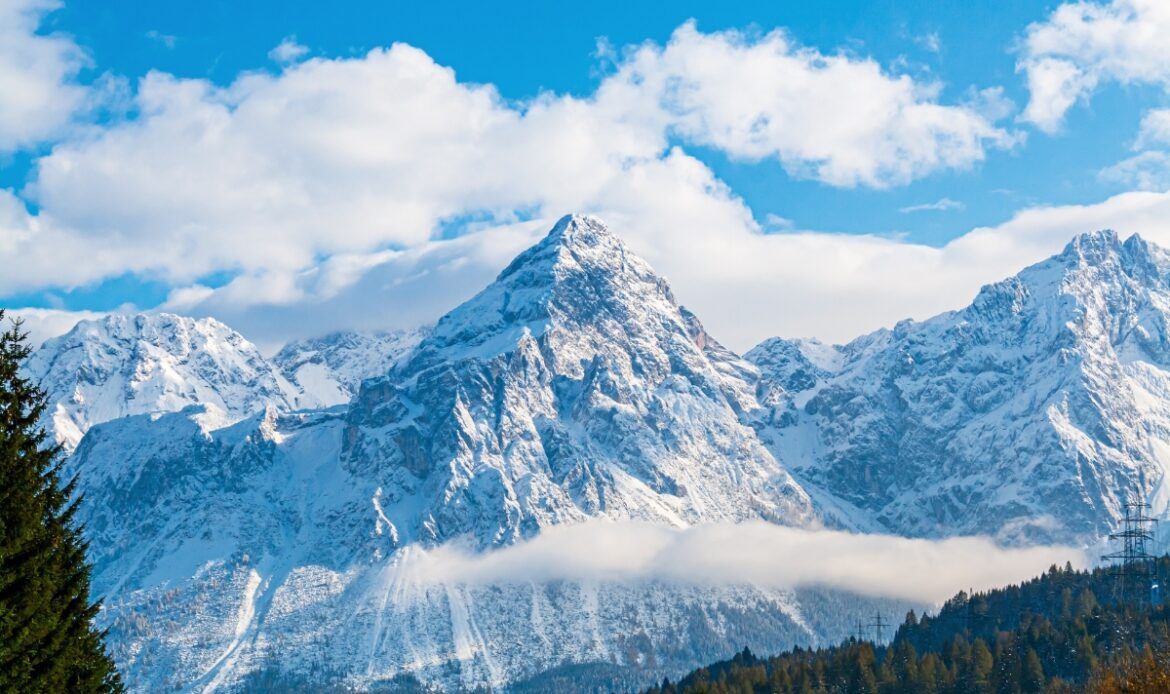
47,639
1066,631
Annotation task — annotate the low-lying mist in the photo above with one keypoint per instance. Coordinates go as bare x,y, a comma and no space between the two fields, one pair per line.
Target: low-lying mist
751,553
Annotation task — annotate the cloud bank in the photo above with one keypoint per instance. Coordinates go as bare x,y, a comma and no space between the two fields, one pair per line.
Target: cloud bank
379,191
278,194
753,553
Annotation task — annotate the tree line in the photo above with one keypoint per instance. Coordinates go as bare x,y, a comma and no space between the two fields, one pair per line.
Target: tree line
1064,632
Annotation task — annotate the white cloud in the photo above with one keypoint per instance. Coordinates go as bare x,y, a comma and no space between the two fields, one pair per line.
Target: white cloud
744,284
833,118
1154,130
288,51
930,41
1148,170
1084,44
753,553
36,76
940,205
775,222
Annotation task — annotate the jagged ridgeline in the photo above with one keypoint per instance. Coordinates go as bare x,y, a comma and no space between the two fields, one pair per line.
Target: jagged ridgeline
1066,631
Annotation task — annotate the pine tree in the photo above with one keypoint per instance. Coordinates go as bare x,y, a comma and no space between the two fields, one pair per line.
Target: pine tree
47,639
1034,678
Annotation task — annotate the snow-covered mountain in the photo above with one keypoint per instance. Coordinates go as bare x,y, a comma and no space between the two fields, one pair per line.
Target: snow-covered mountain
122,365
573,387
328,370
1032,414
230,539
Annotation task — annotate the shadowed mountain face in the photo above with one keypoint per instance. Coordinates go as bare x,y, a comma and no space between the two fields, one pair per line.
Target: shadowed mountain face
1031,414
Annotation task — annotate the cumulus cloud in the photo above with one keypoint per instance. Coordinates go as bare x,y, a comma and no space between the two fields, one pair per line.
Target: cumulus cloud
753,553
1148,170
36,76
379,191
1154,130
1084,44
830,117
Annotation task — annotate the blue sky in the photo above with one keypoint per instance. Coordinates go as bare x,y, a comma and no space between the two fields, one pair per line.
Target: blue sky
134,89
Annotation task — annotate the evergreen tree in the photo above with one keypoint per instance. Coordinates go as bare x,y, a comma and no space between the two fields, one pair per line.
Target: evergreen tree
47,639
1034,678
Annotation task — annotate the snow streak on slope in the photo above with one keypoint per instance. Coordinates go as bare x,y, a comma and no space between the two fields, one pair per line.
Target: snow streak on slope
1032,414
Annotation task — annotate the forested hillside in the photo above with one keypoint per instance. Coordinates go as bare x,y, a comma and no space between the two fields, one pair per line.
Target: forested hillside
1066,631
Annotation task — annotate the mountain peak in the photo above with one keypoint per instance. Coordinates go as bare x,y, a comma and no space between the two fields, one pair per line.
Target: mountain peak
1092,244
572,239
128,364
580,229
1104,246
579,273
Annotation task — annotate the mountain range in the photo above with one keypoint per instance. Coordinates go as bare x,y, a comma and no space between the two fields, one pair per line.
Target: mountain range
248,514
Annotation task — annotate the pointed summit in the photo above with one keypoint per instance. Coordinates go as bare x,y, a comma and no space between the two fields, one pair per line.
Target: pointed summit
579,276
1105,249
1092,247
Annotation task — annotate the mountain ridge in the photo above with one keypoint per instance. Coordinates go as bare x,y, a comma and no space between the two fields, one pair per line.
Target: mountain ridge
1037,402
575,386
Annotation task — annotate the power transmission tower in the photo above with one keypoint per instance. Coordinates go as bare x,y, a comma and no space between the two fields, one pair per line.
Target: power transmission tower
1133,564
877,626
860,631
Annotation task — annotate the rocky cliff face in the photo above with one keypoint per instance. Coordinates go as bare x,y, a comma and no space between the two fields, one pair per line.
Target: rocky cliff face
573,386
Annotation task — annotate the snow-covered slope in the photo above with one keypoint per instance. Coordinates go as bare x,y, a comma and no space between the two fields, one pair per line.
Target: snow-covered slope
123,365
572,387
1032,414
328,370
